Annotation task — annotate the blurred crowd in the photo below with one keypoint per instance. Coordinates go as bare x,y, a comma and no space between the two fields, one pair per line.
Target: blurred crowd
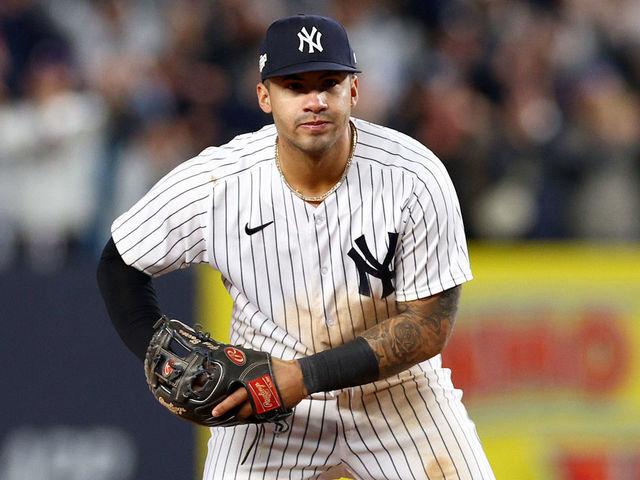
533,106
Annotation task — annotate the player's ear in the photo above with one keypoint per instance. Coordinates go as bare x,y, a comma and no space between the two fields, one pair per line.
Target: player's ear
354,90
264,99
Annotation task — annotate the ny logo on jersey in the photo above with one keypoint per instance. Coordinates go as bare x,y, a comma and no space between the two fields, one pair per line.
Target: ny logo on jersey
306,37
370,266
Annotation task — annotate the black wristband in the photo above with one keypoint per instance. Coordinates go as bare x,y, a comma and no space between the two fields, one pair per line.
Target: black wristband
348,365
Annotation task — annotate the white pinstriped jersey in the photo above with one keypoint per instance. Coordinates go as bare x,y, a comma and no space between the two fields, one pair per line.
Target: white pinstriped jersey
305,278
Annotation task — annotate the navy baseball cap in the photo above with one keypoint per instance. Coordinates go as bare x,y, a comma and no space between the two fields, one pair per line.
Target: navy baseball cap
305,43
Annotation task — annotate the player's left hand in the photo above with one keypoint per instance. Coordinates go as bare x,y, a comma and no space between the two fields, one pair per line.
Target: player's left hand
189,373
288,376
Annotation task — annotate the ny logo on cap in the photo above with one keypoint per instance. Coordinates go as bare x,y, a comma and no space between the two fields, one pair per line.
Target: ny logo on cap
308,38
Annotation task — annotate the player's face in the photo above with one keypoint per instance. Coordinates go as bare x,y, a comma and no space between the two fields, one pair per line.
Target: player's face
310,110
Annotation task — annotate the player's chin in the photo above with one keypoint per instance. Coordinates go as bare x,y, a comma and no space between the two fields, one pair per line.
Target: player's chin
317,144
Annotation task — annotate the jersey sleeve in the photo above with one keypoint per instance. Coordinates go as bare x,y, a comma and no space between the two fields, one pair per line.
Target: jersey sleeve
167,228
432,255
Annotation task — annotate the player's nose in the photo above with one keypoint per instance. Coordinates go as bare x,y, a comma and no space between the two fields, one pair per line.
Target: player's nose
315,101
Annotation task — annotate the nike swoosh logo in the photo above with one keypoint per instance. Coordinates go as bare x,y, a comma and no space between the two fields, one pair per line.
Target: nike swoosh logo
250,231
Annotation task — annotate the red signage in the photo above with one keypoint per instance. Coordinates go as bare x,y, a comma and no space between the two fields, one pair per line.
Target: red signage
501,352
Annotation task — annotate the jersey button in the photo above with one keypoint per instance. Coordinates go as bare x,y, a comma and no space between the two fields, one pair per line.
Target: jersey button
319,220
324,270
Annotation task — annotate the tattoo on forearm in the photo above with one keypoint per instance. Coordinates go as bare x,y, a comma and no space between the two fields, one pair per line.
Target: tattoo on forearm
406,337
418,332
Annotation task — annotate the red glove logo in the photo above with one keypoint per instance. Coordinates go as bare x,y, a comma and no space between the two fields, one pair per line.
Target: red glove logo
235,355
167,368
264,393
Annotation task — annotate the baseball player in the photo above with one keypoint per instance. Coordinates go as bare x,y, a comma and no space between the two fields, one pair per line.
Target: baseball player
342,245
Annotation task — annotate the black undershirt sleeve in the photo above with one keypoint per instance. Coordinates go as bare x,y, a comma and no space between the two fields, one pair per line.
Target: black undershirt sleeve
130,299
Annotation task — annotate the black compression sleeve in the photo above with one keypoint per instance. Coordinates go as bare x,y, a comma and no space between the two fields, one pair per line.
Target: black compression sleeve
130,299
348,365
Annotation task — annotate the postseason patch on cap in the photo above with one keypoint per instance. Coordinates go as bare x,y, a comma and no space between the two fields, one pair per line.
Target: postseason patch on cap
305,43
262,62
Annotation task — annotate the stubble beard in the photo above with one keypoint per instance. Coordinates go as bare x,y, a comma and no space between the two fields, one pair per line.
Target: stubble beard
316,145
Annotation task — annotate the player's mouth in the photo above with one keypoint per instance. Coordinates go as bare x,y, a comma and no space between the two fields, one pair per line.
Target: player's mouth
315,125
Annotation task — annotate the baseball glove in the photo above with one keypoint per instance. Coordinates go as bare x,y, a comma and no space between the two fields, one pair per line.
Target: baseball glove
190,373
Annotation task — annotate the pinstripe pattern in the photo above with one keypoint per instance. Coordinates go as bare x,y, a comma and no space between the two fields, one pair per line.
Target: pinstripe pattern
296,291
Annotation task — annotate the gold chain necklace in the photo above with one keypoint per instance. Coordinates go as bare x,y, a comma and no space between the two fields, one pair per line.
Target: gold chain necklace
319,198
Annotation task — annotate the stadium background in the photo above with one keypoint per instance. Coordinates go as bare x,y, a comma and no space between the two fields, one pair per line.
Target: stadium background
532,105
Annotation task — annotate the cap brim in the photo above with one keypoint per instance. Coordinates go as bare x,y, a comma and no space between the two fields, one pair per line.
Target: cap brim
310,67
